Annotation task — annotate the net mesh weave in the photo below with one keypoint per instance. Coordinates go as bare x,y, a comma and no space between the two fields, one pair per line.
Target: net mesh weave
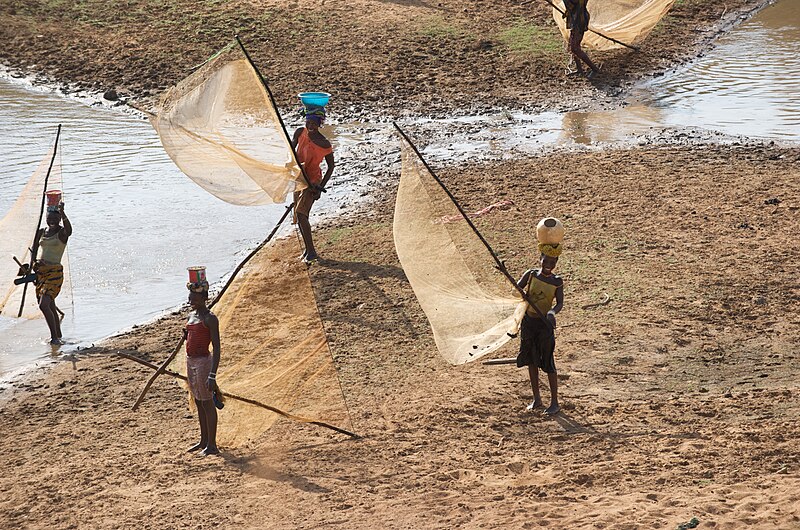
17,229
628,21
471,307
220,128
273,348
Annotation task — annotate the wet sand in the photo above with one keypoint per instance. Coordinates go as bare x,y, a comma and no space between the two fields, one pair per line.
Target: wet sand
679,397
377,57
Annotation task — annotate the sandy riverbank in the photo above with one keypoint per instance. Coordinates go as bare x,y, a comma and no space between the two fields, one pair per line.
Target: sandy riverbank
680,396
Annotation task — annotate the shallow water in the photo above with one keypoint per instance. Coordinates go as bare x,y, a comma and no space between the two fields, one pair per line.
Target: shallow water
138,221
747,85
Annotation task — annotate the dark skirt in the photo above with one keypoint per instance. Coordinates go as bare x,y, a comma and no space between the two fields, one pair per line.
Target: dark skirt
537,344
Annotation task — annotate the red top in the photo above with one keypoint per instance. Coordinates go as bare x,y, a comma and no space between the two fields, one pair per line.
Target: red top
311,156
197,340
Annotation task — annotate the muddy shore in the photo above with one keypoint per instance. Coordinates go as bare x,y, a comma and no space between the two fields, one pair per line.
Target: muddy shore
377,58
680,396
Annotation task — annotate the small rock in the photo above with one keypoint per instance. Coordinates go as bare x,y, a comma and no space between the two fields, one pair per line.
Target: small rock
110,95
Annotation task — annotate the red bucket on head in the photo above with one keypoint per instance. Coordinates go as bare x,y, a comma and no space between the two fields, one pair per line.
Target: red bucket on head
197,274
53,198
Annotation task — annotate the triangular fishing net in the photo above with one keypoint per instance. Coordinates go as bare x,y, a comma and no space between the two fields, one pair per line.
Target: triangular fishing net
221,129
17,231
469,304
273,348
628,21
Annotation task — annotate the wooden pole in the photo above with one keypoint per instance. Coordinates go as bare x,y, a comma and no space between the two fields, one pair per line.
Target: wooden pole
632,47
244,399
500,265
275,106
39,222
162,368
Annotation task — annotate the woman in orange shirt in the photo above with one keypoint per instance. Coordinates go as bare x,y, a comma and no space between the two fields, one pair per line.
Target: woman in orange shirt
312,148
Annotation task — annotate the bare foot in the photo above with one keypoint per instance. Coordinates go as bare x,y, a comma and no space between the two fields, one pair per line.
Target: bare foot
210,451
552,410
196,447
537,404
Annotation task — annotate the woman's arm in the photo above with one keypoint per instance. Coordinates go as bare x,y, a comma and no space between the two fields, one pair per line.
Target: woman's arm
66,231
523,282
329,161
212,323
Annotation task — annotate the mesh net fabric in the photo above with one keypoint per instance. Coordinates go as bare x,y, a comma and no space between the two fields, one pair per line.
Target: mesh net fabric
628,21
220,128
17,229
471,307
274,348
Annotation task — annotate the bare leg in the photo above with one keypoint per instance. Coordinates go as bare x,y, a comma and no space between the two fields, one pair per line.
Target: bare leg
46,306
575,38
533,372
211,428
201,416
305,231
554,407
57,319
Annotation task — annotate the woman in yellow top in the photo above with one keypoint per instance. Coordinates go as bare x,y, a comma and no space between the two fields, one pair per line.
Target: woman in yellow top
538,340
51,243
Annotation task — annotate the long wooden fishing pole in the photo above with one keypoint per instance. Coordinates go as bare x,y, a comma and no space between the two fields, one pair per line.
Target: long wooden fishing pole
632,47
161,369
308,182
244,399
35,243
169,359
277,112
500,265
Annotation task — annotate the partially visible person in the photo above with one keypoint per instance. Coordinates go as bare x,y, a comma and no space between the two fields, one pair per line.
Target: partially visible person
577,19
312,148
202,330
49,249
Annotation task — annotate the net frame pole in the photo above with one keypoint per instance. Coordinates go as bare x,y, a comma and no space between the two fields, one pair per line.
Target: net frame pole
500,265
631,46
163,366
35,243
275,106
243,399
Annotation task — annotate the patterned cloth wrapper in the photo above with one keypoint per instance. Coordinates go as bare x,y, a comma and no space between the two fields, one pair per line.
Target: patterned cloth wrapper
553,251
49,279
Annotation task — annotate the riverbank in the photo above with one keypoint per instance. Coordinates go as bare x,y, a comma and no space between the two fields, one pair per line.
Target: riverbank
375,57
679,396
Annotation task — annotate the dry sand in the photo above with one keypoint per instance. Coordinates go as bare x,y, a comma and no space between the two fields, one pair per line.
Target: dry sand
680,396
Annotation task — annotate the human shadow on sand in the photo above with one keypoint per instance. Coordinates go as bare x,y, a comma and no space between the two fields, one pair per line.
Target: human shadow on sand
259,467
389,316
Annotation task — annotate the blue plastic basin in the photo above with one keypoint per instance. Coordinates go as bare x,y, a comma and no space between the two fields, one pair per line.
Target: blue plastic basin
318,99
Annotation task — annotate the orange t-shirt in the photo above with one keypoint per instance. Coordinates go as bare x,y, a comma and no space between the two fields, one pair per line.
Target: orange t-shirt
311,156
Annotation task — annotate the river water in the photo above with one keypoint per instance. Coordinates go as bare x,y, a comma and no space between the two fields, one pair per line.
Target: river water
139,222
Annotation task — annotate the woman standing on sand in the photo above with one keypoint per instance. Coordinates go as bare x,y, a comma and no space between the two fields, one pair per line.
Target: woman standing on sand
202,330
312,148
577,18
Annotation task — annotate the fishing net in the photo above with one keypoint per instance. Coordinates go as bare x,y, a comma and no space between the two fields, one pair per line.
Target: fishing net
471,307
628,21
220,128
17,231
274,348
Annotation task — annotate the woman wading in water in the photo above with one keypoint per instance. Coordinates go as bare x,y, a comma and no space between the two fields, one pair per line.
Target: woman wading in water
49,249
